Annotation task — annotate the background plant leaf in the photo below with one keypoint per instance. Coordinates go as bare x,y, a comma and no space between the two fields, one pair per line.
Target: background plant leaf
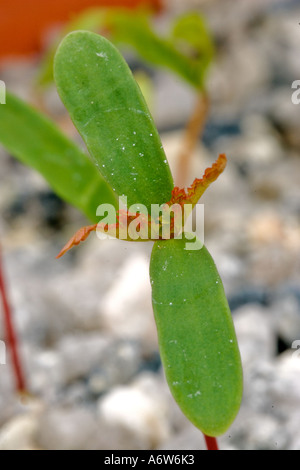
191,30
135,29
37,142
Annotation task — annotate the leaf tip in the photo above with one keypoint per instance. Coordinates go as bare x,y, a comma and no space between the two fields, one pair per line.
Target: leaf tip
79,237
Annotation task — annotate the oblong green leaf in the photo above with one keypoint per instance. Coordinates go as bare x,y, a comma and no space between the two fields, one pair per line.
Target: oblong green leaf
108,109
38,143
196,335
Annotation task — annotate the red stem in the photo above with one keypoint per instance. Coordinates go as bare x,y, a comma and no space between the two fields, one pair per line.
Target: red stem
211,443
11,335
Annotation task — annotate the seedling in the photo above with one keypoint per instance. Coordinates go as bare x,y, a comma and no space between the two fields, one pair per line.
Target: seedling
197,341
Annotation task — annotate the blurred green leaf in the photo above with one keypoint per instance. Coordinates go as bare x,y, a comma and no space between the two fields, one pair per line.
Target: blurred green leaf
191,29
37,142
135,29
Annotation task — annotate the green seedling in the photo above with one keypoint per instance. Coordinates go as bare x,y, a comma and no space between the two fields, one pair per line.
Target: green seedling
197,340
196,336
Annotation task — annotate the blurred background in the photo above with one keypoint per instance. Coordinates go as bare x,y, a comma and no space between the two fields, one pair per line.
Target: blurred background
85,325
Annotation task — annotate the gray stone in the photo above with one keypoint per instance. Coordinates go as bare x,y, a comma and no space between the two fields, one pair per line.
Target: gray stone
118,364
135,416
20,432
80,353
286,312
67,429
189,438
126,307
253,325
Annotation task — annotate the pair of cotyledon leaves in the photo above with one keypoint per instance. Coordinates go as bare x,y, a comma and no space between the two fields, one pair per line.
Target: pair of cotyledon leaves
197,340
196,335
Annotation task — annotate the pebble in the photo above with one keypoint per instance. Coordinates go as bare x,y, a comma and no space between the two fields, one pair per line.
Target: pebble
286,311
81,353
117,365
135,416
67,428
253,325
126,307
21,431
19,434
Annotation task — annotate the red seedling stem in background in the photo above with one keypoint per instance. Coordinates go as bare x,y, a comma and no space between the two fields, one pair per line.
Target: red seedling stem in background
193,132
211,443
11,336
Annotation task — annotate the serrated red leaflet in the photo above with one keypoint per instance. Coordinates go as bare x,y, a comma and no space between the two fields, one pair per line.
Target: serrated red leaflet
79,237
199,186
147,225
124,220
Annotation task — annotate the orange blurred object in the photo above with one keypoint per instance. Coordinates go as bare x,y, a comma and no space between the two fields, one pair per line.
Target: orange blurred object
23,23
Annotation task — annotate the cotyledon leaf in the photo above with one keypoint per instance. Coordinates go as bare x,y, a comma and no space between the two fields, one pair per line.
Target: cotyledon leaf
108,109
37,142
196,335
